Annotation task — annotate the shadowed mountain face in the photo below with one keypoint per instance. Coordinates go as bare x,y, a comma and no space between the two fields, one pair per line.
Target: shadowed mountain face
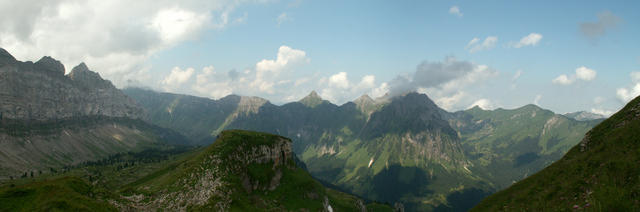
49,120
601,173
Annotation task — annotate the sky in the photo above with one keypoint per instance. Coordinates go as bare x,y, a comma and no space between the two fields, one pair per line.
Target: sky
564,56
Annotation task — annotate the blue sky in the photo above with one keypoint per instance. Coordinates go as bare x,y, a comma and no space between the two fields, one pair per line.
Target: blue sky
343,49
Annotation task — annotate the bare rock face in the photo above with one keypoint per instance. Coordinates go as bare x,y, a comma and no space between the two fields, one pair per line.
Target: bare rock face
40,91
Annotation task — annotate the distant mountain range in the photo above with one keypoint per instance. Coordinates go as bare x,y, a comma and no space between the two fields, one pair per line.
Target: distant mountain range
601,173
392,149
584,116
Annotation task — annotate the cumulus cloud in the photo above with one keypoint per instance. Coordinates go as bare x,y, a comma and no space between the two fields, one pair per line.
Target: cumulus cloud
485,104
176,78
267,71
585,73
581,73
563,80
474,45
594,30
115,38
530,40
340,89
455,10
627,94
602,112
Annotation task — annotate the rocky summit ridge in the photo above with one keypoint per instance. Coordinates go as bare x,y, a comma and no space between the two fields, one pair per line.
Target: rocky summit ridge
40,91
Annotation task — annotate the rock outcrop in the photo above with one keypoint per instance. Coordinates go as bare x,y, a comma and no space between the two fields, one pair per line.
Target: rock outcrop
40,91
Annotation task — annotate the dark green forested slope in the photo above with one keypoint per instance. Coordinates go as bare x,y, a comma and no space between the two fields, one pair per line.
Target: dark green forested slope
602,173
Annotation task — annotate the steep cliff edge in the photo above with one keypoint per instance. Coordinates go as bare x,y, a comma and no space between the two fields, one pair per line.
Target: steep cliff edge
40,91
49,120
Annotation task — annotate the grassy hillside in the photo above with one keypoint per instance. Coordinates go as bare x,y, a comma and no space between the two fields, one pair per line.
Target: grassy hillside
63,194
508,145
600,174
242,171
40,146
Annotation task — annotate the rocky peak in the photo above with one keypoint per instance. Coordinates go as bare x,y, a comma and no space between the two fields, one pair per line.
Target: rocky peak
49,64
6,58
83,75
365,103
312,100
40,91
364,99
250,104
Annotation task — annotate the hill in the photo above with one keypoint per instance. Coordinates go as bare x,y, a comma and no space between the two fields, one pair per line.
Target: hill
601,173
241,171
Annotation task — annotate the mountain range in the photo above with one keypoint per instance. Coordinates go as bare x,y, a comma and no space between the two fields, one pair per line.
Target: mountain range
402,150
391,149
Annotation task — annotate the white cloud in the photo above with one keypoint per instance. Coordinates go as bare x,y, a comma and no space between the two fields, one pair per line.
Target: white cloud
562,80
339,80
536,101
485,104
176,78
581,73
282,18
488,43
585,73
115,38
340,89
605,113
635,77
286,56
627,94
529,40
455,10
268,71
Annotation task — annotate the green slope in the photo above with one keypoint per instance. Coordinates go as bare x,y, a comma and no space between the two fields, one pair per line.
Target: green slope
600,174
241,171
63,194
508,145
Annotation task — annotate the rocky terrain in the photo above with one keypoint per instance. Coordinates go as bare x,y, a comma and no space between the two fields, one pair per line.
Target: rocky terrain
41,91
49,119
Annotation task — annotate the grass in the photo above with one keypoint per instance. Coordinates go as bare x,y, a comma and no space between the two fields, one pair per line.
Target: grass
602,176
63,194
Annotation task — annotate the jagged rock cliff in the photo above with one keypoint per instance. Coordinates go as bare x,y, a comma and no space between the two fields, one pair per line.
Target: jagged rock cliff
40,91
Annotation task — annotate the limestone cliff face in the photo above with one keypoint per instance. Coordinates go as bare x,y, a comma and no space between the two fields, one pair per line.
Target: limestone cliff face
207,182
40,91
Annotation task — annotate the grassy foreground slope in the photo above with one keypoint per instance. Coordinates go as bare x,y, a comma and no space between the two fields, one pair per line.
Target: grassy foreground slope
601,173
241,171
